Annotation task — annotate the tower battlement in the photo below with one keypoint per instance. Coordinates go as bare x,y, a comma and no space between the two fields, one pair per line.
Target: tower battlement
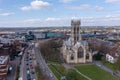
75,30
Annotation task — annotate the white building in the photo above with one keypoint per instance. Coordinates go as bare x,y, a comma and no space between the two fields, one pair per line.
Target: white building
110,58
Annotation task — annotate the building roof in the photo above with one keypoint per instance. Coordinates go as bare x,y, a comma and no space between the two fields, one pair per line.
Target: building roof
106,46
68,42
4,51
3,59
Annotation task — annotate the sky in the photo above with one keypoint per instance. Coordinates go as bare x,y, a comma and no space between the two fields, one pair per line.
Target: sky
45,13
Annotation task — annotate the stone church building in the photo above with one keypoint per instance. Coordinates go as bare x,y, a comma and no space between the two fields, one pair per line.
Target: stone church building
76,50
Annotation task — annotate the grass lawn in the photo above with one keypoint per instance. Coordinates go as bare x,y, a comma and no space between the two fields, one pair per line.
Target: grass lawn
95,73
58,70
73,75
51,62
70,74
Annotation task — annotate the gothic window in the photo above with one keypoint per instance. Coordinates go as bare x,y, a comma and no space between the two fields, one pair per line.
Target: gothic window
80,52
74,30
74,39
72,57
78,30
87,56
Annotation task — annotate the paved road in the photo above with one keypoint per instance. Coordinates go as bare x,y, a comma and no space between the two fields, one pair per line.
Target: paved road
25,65
14,65
99,64
43,66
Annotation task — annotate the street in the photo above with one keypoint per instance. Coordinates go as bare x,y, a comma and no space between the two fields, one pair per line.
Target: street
14,65
27,71
43,66
99,64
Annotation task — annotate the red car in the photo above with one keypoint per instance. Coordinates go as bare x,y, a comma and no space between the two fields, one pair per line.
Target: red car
31,66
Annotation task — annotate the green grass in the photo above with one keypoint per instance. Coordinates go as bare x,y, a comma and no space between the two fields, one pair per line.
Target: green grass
70,74
51,62
58,70
95,73
73,75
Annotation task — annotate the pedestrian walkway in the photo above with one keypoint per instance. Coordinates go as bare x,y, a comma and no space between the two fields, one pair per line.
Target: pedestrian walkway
100,65
82,74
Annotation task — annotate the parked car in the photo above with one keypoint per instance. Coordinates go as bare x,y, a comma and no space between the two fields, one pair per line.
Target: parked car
31,66
28,77
30,58
28,71
26,63
33,72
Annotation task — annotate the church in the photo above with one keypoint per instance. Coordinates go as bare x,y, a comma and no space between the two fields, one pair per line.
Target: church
76,50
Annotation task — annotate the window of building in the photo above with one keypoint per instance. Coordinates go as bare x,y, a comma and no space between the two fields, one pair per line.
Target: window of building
80,52
74,30
77,30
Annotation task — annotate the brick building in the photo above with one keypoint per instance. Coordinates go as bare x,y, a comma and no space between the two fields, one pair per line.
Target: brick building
110,49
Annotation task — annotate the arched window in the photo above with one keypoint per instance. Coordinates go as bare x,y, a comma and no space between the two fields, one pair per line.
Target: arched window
87,56
74,30
77,30
72,57
80,52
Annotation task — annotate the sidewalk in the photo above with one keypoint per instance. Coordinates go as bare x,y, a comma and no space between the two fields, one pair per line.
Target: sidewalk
99,64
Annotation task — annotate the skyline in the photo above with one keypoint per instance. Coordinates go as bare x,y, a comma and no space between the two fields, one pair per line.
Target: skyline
40,13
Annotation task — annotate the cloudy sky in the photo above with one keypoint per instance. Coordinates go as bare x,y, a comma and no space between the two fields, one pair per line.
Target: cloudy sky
39,13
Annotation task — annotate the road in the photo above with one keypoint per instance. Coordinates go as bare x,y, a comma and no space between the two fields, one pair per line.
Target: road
43,66
27,65
14,65
99,64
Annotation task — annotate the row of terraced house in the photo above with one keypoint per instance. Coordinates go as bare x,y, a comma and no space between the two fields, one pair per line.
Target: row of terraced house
109,49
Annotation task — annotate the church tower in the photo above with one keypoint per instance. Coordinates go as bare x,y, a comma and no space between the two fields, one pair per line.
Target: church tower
75,31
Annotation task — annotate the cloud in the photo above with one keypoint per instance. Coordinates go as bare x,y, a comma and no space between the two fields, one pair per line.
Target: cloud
36,5
32,20
66,1
107,18
85,21
112,1
86,7
53,19
7,14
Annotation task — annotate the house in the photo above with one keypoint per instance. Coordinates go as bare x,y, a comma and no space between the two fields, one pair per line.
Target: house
110,58
109,49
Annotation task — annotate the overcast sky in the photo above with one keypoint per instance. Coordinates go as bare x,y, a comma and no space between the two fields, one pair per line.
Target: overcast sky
42,13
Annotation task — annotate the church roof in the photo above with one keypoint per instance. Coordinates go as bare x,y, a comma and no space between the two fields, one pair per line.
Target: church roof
84,43
71,51
68,42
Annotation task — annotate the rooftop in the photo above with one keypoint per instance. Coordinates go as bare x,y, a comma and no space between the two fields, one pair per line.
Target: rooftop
3,59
